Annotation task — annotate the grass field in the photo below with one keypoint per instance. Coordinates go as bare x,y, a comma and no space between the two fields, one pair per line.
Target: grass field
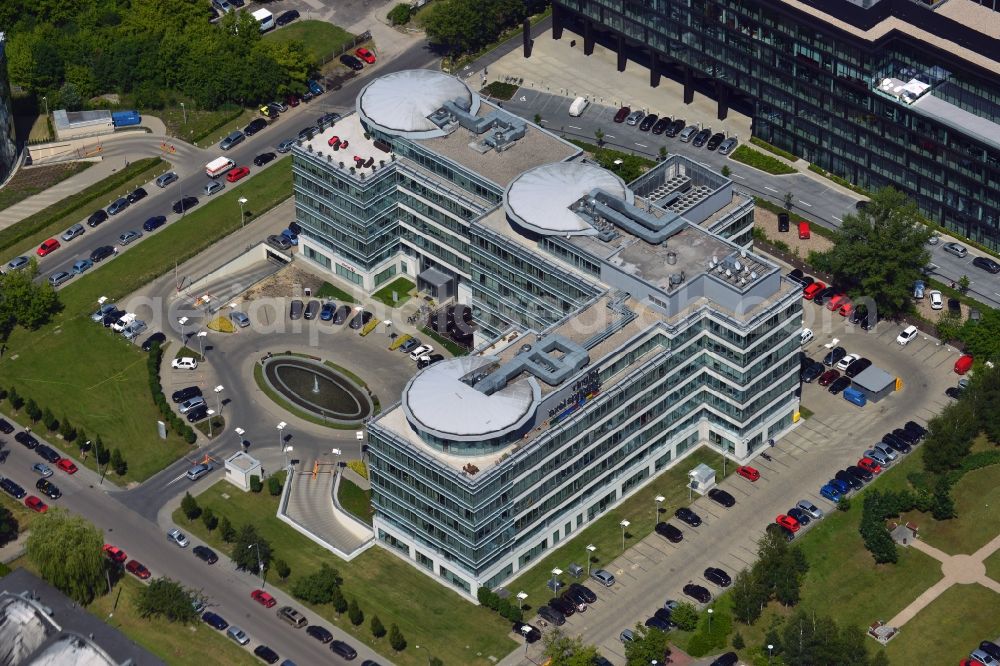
334,292
355,500
993,566
106,390
759,160
606,532
949,628
193,124
975,523
28,182
174,643
402,286
319,37
427,613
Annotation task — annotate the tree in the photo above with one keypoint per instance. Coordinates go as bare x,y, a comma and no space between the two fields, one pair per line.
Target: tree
685,616
944,506
210,520
24,303
396,639
101,452
663,154
963,283
68,553
565,650
538,119
949,436
338,601
725,171
50,420
226,530
255,485
67,431
15,400
319,587
9,526
355,613
749,597
378,630
738,642
879,252
648,644
400,14
282,569
599,135
118,463
32,410
189,505
274,485
788,201
166,598
251,552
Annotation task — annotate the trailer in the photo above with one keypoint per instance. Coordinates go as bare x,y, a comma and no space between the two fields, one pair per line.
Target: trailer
125,118
265,19
218,166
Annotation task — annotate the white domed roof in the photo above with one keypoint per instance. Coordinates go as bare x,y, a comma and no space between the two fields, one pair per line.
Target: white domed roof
400,103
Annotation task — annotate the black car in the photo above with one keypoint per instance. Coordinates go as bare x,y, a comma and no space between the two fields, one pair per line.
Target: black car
531,635
728,659
263,159
48,489
97,218
47,453
154,223
783,222
341,315
574,596
665,615
185,394
688,516
564,606
214,620
895,442
822,296
12,489
697,592
661,126
584,593
255,125
797,276
716,139
862,474
718,576
361,319
552,616
848,478
721,497
187,203
675,127
312,309
101,253
266,654
913,427
5,427
986,264
424,361
328,119
136,195
657,623
205,554
648,122
799,515
906,436
857,367
834,356
669,532
351,62
811,371
780,530
839,385
26,439
155,338
197,414
701,137
111,317
307,133
954,392
342,649
286,17
990,648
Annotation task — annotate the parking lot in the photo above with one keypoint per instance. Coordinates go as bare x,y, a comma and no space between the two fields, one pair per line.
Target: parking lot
834,437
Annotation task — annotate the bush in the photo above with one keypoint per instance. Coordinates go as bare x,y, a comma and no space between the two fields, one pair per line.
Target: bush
118,463
282,569
355,613
226,530
255,485
189,505
32,410
378,629
759,160
210,519
320,587
400,14
685,616
50,420
273,485
67,431
396,639
15,400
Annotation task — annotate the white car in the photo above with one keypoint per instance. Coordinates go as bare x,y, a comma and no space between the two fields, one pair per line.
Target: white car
185,363
422,350
846,361
178,537
806,336
125,320
908,334
936,301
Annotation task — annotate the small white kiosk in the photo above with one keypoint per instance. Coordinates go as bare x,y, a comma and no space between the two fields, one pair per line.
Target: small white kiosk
240,467
702,479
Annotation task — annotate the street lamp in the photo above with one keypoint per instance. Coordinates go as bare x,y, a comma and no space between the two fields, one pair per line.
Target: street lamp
555,573
590,555
242,201
210,413
46,100
281,426
260,565
218,395
521,596
201,335
769,648
239,433
710,611
285,451
182,321
659,500
185,111
624,525
428,653
338,453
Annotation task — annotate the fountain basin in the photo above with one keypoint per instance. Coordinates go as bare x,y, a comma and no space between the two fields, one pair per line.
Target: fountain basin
318,389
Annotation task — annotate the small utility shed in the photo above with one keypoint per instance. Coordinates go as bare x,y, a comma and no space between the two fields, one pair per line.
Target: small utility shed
875,383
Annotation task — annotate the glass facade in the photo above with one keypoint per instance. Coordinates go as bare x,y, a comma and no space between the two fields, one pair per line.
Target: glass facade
812,89
8,141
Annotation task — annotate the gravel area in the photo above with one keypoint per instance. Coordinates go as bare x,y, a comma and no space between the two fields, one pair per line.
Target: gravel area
289,281
768,221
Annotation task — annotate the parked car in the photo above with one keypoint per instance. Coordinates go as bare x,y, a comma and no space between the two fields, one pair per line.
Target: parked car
780,530
214,620
165,179
846,477
254,126
184,205
115,554
845,362
117,206
583,592
236,174
26,439
422,350
197,414
839,385
103,252
361,319
603,577
156,338
67,466
342,649
129,237
154,223
60,277
73,232
728,146
956,249
295,309
12,489
47,453
622,114
718,576
184,363
675,127
648,122
830,493
137,569
661,125
715,141
321,634
788,522
635,118
48,489
986,264
312,309
747,472
178,538
701,138
293,617
136,195
48,247
231,140
205,554
862,474
365,55
828,377
963,364
688,516
721,497
185,393
341,315
812,371
263,159
263,598
18,263
279,242
857,367
285,145
698,593
916,429
552,616
669,532
842,487
808,507
834,356
351,62
96,218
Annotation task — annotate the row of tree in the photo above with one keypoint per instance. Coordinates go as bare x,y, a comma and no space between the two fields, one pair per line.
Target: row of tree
777,574
492,600
649,645
811,639
175,422
78,50
951,433
457,27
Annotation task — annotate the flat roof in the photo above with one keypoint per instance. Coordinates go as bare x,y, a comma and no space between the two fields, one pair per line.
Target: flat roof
347,129
242,461
947,113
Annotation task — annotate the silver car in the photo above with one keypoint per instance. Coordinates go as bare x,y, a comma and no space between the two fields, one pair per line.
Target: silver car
956,249
635,117
240,319
128,237
238,635
878,456
73,232
59,278
17,263
886,451
687,133
134,330
728,146
232,139
286,145
604,577
178,538
810,508
191,403
198,471
118,206
166,179
213,186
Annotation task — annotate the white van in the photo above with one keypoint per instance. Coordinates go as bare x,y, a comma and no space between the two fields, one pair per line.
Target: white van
578,106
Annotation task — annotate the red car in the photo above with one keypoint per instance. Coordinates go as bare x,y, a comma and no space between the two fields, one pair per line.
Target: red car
38,505
333,140
138,569
803,230
748,472
870,465
622,114
812,289
115,554
836,302
846,308
67,466
48,247
237,173
365,55
292,100
263,598
963,364
828,377
787,522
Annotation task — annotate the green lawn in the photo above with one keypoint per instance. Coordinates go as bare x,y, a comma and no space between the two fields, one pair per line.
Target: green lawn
106,390
193,124
975,524
402,286
427,612
993,566
22,513
321,39
355,500
174,643
28,182
949,628
334,292
759,160
606,532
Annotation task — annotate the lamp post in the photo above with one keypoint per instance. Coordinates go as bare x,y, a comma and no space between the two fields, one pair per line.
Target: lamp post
242,201
590,555
201,335
260,565
525,630
555,573
218,396
285,451
624,525
46,100
710,611
185,111
417,647
521,596
210,413
769,648
182,321
239,434
659,500
338,453
281,426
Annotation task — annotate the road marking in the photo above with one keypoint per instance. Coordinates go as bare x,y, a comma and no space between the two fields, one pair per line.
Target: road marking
609,136
771,189
837,218
173,481
707,166
641,145
736,175
574,127
805,204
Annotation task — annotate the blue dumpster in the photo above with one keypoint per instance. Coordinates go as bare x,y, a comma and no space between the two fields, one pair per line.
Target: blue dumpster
855,396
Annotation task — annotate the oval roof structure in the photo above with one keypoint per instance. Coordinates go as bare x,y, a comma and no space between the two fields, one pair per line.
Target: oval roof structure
400,103
540,199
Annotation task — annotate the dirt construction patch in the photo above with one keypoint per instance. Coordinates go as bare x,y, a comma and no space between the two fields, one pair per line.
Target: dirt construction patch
289,281
768,221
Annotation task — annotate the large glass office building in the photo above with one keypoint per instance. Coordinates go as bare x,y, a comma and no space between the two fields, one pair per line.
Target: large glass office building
881,92
618,325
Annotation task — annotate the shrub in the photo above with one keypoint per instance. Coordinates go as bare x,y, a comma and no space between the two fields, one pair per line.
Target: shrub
67,431
255,485
210,519
32,410
273,485
118,463
378,629
355,613
282,569
226,530
50,420
400,14
189,505
15,400
396,639
759,160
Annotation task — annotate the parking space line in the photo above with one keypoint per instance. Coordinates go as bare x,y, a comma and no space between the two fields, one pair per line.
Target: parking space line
771,189
808,205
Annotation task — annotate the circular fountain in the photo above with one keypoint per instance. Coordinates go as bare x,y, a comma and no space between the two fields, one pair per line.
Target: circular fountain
318,389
